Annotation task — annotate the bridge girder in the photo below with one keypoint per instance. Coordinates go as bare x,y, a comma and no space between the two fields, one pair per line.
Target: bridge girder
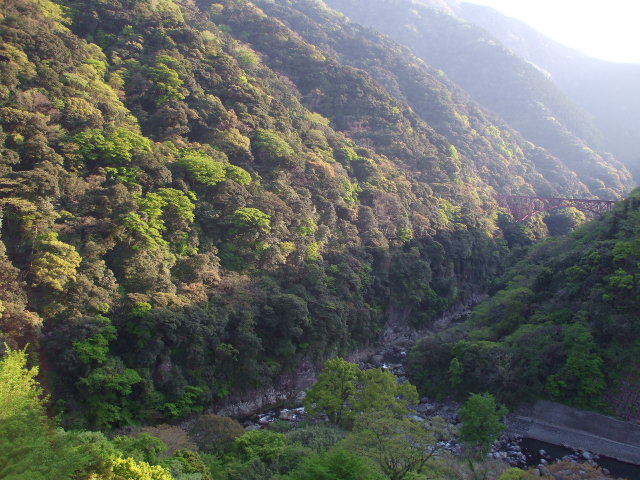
524,207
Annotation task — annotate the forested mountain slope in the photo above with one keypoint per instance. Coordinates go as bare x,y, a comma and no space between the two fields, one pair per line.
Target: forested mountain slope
195,200
520,93
486,152
176,224
608,90
562,323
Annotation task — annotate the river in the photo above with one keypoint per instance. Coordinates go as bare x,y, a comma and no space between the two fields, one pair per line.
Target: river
531,449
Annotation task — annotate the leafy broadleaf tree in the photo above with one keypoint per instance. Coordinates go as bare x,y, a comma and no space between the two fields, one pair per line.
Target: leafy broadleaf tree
30,446
580,381
379,391
55,263
481,422
337,464
343,391
331,394
203,168
400,447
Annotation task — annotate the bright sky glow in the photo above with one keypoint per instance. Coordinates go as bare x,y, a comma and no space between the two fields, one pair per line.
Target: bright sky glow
607,29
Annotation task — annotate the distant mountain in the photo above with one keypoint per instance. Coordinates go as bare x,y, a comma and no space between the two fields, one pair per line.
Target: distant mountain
520,92
489,150
609,91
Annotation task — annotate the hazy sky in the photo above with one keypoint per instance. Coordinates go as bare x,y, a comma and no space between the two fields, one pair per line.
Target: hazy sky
608,29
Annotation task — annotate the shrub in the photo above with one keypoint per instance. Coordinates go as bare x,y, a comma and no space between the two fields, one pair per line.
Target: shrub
214,433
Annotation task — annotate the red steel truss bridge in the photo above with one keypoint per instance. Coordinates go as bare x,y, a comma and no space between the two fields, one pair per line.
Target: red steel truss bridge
521,207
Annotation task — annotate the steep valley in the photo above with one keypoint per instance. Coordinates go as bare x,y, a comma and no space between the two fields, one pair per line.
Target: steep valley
204,202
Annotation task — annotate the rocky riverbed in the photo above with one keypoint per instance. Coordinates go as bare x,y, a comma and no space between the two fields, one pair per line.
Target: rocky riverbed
391,353
508,448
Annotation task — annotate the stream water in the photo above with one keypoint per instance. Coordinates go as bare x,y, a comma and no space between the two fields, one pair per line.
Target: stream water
531,448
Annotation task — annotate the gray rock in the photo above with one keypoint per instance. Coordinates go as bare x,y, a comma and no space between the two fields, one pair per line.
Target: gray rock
264,419
286,414
544,471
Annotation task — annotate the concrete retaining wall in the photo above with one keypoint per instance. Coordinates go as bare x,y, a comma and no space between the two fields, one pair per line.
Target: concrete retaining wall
561,425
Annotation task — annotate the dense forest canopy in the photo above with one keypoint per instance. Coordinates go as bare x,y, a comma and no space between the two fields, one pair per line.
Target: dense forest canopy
516,89
176,223
561,324
198,198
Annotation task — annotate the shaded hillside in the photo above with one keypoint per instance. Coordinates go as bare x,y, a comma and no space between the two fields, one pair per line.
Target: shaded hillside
486,152
562,323
609,91
512,87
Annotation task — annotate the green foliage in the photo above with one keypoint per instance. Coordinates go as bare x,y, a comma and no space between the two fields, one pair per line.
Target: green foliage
30,447
337,464
261,444
55,263
118,147
333,391
187,404
563,222
186,464
528,101
124,174
150,233
20,392
107,389
213,433
238,175
558,323
379,391
142,448
580,381
177,203
250,218
270,146
517,474
481,422
319,438
166,80
96,347
343,391
203,168
323,204
130,469
247,58
167,207
400,447
456,372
